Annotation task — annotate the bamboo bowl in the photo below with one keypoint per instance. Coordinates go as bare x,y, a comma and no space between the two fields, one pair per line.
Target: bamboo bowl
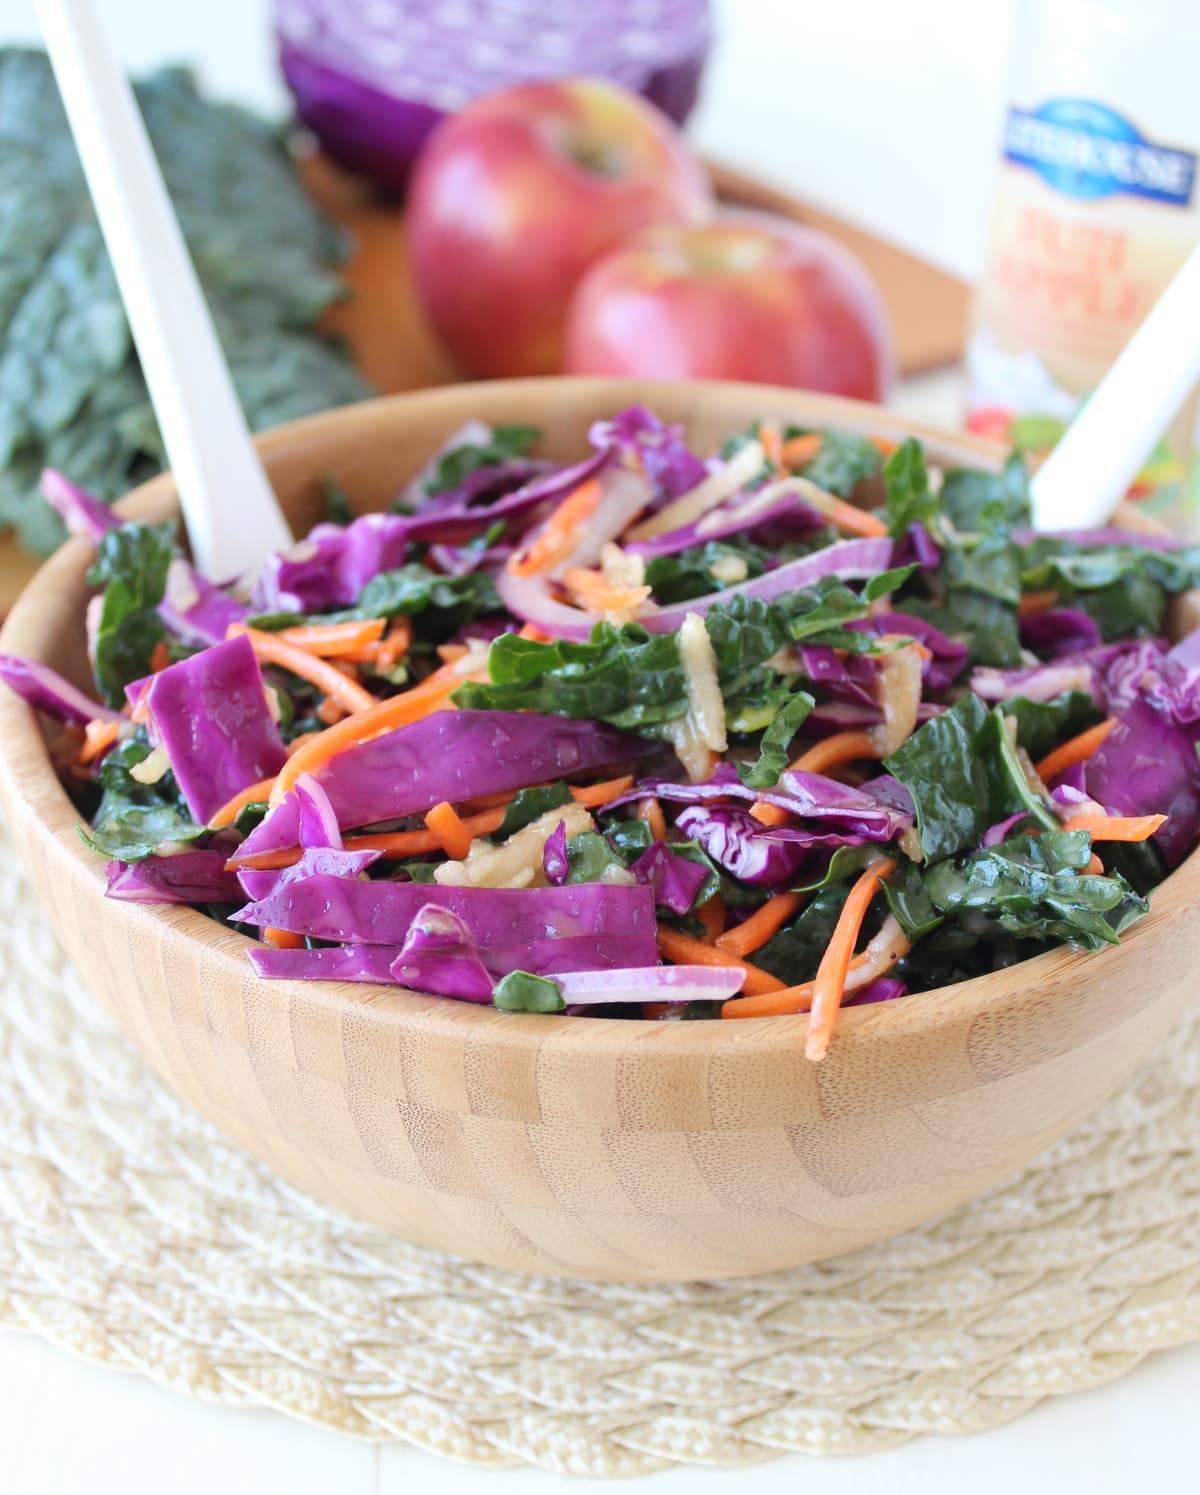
576,1146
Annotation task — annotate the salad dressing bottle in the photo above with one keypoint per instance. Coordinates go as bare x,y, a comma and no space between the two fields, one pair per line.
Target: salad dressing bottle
1096,206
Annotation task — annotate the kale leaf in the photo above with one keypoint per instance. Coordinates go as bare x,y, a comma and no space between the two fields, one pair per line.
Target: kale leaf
910,500
842,462
131,565
135,819
941,767
459,462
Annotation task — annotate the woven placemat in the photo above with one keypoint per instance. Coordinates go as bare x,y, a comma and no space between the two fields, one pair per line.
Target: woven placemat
132,1234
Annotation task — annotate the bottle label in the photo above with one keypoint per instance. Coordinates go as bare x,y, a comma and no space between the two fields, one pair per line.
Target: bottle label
1086,150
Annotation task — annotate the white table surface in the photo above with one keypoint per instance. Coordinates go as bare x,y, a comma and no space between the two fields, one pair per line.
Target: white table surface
814,96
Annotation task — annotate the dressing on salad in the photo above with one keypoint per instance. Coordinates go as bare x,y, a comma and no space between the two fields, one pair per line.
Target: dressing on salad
654,734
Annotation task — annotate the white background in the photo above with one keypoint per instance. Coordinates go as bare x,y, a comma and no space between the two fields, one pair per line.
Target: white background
886,111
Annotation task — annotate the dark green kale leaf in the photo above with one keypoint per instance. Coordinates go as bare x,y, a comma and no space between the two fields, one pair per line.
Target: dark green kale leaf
775,742
134,819
843,461
459,462
131,565
689,573
1033,887
1123,587
942,768
529,805
406,592
1041,725
909,497
71,392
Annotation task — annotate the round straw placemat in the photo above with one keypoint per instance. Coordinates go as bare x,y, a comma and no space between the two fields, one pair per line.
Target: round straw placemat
132,1234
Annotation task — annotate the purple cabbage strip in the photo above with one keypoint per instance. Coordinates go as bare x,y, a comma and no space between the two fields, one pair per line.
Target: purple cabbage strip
750,851
674,879
210,714
1147,765
847,678
788,515
82,512
454,525
1059,631
1123,668
195,610
340,963
948,655
807,795
661,452
317,861
554,856
188,877
917,547
882,989
450,755
1002,829
440,956
588,924
317,824
47,691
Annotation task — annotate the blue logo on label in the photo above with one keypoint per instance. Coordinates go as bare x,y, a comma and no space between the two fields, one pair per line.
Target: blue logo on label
1084,149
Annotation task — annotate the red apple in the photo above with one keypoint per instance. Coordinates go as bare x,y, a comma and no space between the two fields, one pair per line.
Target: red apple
748,296
513,199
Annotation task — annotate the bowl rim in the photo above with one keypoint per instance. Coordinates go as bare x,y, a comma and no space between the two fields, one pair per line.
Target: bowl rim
31,784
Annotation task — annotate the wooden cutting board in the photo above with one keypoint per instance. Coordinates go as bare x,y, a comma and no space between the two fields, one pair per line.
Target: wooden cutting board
395,347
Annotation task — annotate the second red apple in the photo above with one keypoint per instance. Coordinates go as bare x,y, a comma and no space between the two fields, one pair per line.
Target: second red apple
513,199
747,297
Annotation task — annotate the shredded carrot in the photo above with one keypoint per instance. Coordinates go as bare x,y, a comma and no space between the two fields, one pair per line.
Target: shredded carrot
829,983
448,653
450,829
282,939
383,716
1076,750
593,796
883,445
841,747
271,649
745,938
784,1003
557,537
298,742
1116,827
590,590
98,736
650,811
329,711
684,950
799,451
160,657
253,794
393,845
851,518
385,653
711,914
772,444
334,640
1094,868
1036,602
532,631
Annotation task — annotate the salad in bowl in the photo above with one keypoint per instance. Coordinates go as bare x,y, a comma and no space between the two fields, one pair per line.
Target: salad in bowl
805,722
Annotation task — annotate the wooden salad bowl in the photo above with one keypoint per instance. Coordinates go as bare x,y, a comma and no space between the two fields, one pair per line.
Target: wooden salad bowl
585,1147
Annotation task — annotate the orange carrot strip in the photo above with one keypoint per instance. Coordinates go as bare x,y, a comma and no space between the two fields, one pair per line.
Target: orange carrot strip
393,845
1036,602
1116,827
160,657
383,716
282,939
593,796
591,591
883,445
743,939
329,711
253,794
772,444
330,640
841,747
1094,868
271,649
784,1003
1075,750
556,539
532,631
829,983
798,451
98,737
650,811
446,824
298,742
854,520
711,914
684,950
